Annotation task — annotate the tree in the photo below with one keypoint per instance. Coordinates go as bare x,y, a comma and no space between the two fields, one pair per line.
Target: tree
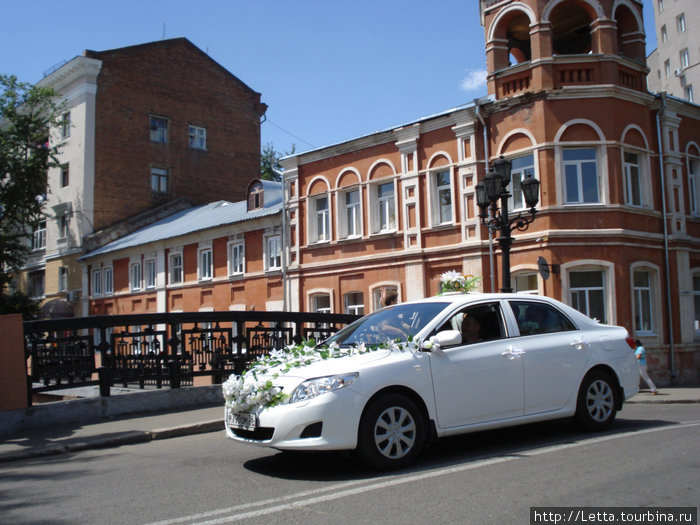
270,162
27,113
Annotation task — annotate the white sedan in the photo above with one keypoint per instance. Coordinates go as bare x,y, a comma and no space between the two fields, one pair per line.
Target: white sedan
402,376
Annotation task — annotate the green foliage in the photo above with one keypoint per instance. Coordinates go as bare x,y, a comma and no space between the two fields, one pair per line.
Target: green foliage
15,302
270,162
27,113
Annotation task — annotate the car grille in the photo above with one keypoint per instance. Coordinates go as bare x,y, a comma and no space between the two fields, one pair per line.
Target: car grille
259,434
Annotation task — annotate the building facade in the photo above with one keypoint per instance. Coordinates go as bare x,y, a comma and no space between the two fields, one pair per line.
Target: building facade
618,219
675,63
142,126
213,257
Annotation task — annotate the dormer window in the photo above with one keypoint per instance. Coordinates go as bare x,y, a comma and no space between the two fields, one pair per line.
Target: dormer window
255,196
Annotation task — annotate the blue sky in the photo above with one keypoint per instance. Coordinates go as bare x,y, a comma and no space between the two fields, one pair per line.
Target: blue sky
329,70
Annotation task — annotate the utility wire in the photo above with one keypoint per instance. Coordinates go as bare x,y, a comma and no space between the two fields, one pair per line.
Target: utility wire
290,134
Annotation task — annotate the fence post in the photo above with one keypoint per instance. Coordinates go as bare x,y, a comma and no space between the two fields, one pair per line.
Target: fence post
104,375
174,365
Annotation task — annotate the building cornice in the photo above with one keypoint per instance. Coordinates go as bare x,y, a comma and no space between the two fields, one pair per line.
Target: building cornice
80,67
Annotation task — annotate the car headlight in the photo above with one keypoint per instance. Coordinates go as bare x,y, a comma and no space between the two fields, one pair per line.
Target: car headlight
320,385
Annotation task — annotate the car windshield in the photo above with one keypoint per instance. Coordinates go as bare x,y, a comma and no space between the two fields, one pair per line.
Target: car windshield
391,323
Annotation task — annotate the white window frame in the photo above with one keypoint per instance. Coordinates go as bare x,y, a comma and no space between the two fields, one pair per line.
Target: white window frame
320,217
528,275
174,268
664,34
108,280
518,173
578,165
384,207
151,274
607,287
660,5
694,184
440,187
696,304
688,91
350,214
63,223
39,236
667,68
628,170
684,55
64,175
680,23
158,133
350,306
197,137
135,276
313,301
205,264
379,290
273,252
644,300
160,179
65,125
97,283
236,258
62,278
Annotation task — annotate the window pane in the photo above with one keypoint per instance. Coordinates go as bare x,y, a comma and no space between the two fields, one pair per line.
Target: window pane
572,191
589,179
579,154
586,279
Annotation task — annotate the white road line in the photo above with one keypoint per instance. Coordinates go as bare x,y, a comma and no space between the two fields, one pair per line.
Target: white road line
351,488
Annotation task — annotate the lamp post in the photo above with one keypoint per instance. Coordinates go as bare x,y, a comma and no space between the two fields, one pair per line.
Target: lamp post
488,192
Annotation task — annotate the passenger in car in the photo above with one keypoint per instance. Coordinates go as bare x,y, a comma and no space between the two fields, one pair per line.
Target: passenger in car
471,327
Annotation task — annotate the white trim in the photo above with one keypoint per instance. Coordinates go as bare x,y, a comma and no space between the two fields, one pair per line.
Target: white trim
608,269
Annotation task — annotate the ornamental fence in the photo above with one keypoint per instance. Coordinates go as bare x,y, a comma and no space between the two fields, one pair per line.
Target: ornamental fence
154,350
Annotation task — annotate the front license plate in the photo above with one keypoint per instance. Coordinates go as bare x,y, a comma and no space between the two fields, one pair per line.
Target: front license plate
241,421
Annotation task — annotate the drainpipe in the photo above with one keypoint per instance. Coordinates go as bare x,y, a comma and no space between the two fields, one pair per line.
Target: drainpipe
284,242
667,265
492,266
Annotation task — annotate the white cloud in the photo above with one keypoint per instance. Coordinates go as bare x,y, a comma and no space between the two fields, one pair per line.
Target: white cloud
474,80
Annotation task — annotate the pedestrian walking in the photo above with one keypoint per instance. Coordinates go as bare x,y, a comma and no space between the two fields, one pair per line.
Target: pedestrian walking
641,356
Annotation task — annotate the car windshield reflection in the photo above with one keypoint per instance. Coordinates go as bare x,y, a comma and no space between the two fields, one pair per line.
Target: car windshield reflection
394,322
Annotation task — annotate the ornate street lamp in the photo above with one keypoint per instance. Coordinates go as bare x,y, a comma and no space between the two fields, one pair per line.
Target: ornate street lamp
488,192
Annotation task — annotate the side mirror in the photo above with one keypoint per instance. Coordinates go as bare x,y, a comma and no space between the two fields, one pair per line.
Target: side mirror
448,338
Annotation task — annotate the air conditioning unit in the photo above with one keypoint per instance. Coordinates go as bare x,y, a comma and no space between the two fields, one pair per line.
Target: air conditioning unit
677,71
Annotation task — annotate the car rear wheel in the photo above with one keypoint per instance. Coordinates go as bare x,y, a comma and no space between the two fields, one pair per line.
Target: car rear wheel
597,405
391,433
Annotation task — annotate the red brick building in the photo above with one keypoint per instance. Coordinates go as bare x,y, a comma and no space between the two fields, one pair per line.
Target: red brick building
217,256
143,126
619,207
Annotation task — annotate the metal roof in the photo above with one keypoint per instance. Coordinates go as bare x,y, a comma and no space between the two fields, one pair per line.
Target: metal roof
198,218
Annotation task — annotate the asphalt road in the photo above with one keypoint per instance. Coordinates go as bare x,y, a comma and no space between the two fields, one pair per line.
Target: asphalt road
649,459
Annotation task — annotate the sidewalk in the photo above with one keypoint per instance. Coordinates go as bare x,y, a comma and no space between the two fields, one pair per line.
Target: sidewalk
141,428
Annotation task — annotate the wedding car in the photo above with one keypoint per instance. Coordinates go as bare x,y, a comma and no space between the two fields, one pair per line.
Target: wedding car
390,382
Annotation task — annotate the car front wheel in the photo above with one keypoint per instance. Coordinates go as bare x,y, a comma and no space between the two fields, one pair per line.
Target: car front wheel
596,406
391,433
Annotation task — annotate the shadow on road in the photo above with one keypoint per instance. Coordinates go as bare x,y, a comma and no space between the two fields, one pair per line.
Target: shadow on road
445,452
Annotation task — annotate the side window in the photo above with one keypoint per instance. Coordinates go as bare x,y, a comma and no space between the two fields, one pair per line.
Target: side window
539,318
479,323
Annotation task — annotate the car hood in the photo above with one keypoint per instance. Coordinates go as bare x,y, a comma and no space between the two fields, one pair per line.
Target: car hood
332,366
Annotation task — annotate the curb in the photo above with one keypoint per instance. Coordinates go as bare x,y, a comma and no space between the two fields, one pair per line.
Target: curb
131,437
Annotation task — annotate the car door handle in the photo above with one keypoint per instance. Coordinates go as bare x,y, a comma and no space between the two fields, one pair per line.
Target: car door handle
512,353
580,344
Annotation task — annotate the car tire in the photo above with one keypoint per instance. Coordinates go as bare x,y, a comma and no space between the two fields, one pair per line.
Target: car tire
596,407
391,433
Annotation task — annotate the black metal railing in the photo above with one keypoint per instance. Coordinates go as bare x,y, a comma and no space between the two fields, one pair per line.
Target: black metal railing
157,349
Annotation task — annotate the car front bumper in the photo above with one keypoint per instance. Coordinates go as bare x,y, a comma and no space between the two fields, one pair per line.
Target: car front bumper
327,422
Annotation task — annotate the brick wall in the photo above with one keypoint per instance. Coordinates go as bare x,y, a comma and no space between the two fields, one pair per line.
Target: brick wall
175,80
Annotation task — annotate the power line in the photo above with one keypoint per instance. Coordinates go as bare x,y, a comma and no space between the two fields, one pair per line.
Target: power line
290,134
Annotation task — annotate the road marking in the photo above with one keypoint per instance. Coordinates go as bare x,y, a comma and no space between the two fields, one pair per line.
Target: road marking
351,488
